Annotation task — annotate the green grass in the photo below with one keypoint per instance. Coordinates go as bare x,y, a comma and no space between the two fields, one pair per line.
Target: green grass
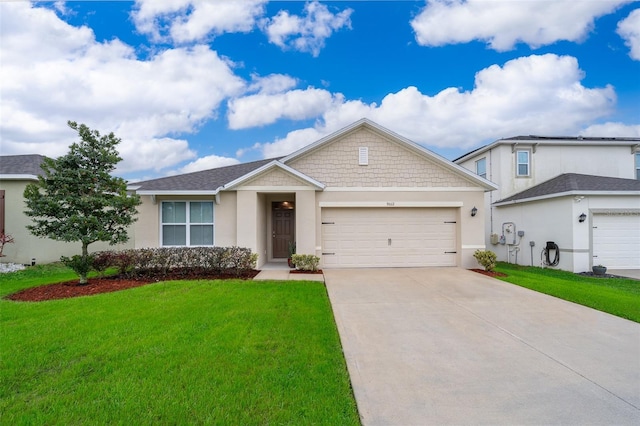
179,352
617,296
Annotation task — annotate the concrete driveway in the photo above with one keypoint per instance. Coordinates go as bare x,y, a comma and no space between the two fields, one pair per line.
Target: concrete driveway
450,346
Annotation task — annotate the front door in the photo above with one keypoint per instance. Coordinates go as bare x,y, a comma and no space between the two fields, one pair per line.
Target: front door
282,228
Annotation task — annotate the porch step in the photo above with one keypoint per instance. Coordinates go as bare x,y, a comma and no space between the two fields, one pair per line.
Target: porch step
283,275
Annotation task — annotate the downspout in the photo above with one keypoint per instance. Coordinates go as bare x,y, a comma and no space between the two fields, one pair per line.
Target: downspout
490,194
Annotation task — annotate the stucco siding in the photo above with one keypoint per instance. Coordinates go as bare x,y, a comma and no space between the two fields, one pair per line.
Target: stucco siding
549,220
147,228
225,216
28,246
390,165
549,161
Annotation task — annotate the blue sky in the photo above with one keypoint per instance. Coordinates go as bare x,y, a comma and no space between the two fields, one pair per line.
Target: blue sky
194,84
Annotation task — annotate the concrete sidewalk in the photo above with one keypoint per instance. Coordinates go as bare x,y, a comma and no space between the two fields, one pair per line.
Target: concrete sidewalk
285,274
627,273
449,346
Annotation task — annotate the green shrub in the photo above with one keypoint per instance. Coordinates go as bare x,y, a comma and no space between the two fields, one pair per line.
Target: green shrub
306,262
486,258
161,261
81,265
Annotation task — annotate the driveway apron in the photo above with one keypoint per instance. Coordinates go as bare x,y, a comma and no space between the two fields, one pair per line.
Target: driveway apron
450,346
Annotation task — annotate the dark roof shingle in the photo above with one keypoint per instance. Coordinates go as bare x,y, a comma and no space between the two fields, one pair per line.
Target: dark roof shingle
575,182
21,164
205,180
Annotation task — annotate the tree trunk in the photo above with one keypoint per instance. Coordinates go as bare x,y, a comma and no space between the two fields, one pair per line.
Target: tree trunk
85,253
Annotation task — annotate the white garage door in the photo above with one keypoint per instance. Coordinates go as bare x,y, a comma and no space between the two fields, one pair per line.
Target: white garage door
616,240
388,237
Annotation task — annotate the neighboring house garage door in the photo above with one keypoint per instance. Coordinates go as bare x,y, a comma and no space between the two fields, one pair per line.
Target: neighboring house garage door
388,237
616,240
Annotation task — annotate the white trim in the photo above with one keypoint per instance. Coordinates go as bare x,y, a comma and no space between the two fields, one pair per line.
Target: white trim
274,163
175,192
276,188
518,163
631,142
186,224
18,177
564,194
363,156
473,247
405,189
390,204
616,211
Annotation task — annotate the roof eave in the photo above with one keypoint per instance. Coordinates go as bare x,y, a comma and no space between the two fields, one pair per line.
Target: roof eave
564,194
631,142
275,163
175,192
18,177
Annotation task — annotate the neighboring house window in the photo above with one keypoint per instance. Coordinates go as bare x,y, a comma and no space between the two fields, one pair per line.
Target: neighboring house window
481,167
523,163
187,223
638,165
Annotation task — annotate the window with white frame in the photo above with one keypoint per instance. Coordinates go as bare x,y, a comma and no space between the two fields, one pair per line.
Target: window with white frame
638,165
523,163
187,223
481,167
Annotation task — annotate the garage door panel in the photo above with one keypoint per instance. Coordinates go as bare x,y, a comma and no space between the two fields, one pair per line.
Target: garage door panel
616,240
370,237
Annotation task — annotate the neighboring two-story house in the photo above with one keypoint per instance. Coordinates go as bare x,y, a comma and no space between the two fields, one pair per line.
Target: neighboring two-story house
581,193
16,172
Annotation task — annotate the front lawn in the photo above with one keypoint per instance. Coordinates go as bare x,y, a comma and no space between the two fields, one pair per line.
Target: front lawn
176,352
617,296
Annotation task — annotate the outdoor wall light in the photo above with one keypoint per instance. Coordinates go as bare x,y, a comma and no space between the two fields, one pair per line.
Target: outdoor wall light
474,211
582,218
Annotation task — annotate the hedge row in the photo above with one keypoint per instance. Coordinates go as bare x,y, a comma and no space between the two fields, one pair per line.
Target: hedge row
162,261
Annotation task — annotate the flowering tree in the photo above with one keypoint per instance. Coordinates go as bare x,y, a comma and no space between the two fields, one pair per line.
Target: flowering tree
5,239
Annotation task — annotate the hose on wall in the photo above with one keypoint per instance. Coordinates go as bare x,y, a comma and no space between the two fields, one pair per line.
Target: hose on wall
546,258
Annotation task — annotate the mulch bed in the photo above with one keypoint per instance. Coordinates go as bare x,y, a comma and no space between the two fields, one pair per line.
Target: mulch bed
489,273
69,289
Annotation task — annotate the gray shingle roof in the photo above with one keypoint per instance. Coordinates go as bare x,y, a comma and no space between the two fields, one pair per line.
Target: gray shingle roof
575,182
21,164
205,180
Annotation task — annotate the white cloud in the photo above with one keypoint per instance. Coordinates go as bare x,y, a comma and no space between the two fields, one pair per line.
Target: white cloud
502,24
629,30
266,108
528,95
185,21
612,129
206,163
306,33
53,72
273,83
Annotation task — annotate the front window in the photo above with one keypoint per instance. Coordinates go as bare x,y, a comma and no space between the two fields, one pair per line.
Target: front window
187,223
481,167
638,165
522,163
